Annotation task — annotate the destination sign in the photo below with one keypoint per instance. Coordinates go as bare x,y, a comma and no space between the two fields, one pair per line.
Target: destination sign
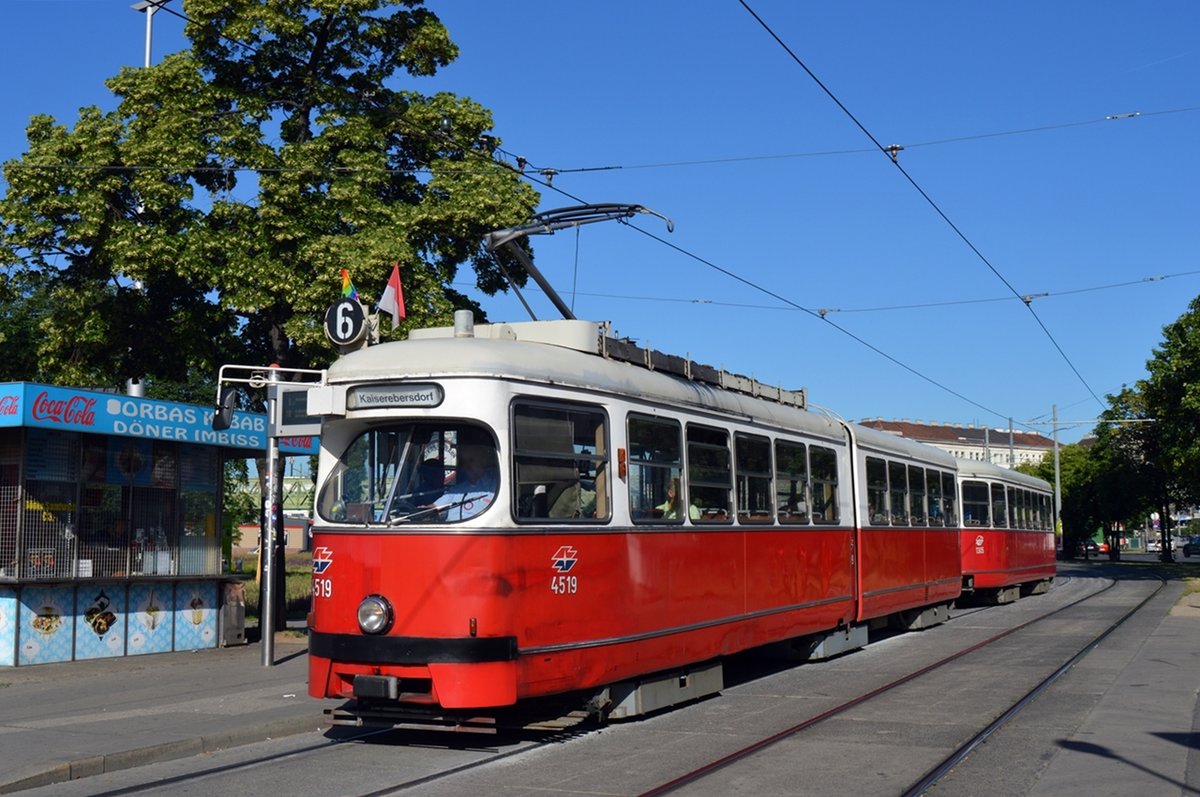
369,397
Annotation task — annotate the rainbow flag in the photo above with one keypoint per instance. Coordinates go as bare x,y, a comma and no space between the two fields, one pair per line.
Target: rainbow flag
348,289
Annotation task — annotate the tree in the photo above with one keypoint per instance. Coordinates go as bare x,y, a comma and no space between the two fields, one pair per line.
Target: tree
207,218
1077,481
1172,398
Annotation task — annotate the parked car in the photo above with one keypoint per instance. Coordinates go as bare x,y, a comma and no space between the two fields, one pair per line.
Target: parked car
1154,546
1192,546
1087,548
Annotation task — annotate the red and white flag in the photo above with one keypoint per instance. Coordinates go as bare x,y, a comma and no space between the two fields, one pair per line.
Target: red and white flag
393,297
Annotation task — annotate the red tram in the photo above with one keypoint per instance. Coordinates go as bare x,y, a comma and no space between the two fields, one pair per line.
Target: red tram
516,511
1008,547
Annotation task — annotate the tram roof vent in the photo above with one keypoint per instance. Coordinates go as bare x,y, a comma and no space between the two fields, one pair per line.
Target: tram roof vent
593,337
625,351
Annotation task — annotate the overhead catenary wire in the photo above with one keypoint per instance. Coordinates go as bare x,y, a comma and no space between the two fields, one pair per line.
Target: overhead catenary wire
853,151
549,185
890,152
524,167
880,308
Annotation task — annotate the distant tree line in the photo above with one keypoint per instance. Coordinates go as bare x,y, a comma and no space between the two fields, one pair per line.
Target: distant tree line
1145,455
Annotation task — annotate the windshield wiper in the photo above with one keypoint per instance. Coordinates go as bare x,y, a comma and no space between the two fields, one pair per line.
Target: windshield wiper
435,508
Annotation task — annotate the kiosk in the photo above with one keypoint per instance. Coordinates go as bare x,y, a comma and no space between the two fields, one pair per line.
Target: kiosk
110,521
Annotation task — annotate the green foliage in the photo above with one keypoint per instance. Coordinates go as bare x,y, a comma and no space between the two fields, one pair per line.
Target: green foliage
239,505
232,182
1145,456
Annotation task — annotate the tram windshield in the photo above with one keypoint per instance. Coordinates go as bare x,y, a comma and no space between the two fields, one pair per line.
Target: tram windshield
415,472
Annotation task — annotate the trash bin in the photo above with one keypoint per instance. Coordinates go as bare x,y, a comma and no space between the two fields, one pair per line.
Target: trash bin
231,630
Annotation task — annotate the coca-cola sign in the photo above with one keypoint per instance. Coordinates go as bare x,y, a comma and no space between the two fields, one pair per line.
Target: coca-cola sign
73,411
10,405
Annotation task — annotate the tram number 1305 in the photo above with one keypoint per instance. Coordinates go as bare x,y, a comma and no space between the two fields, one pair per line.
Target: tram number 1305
564,585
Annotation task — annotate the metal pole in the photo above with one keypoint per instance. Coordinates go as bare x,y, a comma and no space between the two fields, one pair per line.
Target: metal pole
267,621
1012,449
1057,479
149,30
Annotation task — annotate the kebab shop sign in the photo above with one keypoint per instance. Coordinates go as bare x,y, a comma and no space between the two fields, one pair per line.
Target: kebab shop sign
138,417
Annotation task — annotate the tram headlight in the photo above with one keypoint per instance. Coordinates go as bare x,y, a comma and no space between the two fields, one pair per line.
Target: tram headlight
374,614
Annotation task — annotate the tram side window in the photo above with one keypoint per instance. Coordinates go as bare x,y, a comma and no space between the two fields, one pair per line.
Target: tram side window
877,491
791,482
560,462
655,464
824,469
949,499
1047,518
999,510
937,516
753,456
916,494
1016,508
975,503
898,493
709,474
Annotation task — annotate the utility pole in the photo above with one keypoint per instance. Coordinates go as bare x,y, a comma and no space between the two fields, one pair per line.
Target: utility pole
148,7
1012,447
1058,535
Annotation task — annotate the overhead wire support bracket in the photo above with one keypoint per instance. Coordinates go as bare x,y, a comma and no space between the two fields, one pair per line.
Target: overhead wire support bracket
558,219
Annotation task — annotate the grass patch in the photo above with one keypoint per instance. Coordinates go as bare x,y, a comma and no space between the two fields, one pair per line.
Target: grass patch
297,589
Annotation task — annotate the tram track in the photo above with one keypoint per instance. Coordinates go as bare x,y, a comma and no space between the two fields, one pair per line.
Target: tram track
700,773
746,752
448,774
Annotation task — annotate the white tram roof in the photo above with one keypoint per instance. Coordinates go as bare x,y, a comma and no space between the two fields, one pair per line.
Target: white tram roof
979,469
875,441
578,355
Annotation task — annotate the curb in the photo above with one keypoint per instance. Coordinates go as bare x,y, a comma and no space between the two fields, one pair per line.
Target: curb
167,751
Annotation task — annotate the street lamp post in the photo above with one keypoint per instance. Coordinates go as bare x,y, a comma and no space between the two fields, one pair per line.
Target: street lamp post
148,7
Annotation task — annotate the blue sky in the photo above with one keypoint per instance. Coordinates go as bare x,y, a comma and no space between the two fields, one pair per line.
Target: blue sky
782,206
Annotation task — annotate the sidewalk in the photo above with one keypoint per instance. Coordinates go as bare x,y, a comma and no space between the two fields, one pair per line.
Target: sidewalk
64,721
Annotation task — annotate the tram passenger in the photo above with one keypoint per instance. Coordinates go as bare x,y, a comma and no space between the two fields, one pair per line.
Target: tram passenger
475,485
671,508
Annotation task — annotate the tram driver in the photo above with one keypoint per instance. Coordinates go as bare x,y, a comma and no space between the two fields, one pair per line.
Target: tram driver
475,483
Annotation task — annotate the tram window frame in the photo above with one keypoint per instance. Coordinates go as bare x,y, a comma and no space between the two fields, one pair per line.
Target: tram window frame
710,474
877,492
1000,519
560,447
898,494
655,459
980,497
393,472
753,478
791,484
950,498
933,486
918,514
824,486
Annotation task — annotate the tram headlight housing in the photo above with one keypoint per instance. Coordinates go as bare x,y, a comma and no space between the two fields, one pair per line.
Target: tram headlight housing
374,614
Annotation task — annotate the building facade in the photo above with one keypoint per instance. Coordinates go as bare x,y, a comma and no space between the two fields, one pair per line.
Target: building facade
1003,447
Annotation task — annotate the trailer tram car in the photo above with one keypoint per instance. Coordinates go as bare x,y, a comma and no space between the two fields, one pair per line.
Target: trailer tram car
1008,548
646,517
